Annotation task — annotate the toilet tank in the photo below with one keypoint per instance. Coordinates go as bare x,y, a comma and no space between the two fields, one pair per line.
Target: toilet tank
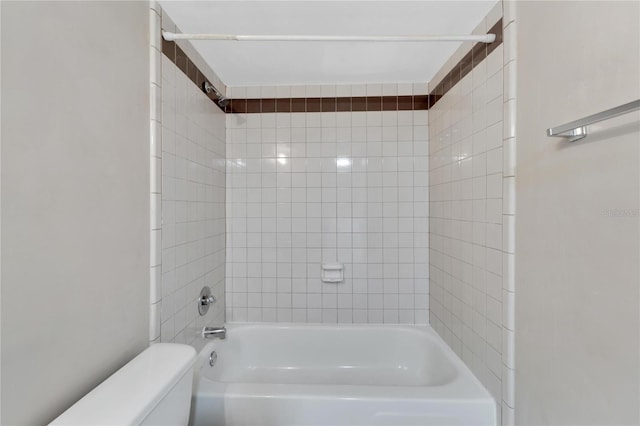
152,389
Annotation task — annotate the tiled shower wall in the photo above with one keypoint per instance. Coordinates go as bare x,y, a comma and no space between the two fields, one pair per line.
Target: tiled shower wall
193,214
188,177
472,238
308,188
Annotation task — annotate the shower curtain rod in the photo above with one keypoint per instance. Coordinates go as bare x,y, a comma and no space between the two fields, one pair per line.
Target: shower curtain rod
169,36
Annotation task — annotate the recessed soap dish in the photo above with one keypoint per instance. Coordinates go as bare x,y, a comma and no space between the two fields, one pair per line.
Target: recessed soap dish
332,273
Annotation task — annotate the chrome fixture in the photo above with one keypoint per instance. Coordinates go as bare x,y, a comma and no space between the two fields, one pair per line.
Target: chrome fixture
210,88
214,333
213,358
577,129
206,299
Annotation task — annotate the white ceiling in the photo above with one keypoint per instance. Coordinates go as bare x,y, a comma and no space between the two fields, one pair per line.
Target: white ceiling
289,63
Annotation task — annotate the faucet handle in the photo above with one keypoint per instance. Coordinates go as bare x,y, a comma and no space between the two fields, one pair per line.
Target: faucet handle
206,299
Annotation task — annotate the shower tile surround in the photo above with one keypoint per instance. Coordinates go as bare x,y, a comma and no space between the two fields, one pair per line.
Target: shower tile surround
275,182
193,216
321,187
187,190
471,175
323,173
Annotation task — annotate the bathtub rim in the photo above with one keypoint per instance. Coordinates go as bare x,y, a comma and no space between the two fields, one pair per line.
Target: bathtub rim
466,386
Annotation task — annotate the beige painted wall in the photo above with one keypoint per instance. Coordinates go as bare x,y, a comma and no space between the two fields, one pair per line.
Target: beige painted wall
75,184
577,276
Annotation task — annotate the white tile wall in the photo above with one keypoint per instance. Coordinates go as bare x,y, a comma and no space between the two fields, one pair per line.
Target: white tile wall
326,90
192,169
471,241
307,188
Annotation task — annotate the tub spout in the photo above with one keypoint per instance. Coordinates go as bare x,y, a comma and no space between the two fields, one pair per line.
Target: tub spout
214,333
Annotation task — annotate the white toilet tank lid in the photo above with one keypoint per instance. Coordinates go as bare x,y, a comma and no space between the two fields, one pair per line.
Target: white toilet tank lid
129,395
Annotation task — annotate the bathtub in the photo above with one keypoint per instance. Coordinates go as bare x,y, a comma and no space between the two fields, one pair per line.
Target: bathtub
268,374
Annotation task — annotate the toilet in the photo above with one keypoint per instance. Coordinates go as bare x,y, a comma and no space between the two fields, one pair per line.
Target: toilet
152,389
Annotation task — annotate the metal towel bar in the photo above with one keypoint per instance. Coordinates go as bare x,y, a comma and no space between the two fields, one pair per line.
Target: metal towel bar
577,129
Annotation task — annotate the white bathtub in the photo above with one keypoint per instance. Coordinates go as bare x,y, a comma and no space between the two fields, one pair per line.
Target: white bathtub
268,374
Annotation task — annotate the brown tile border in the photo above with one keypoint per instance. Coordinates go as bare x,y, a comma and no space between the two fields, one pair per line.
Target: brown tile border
341,104
176,55
468,62
337,104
